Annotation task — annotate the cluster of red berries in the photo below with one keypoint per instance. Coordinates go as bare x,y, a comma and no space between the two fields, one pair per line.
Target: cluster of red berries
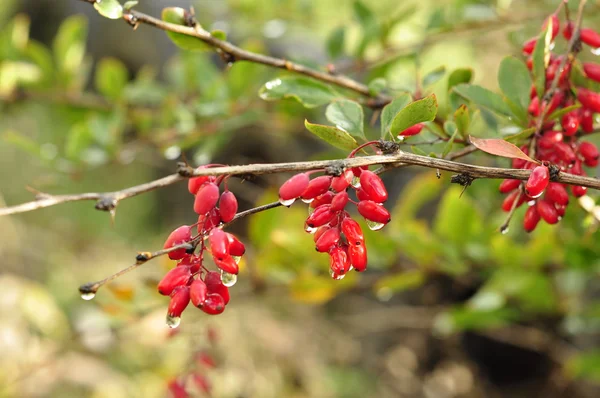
557,145
335,232
190,280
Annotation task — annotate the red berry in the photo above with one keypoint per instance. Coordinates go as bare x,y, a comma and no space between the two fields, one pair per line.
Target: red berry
509,185
510,199
180,299
214,285
592,71
340,183
589,99
590,37
550,138
555,25
198,292
589,151
373,186
339,261
565,153
547,211
177,390
227,264
219,243
557,193
537,182
206,198
561,210
529,45
321,216
358,257
180,235
320,231
568,30
236,247
293,188
339,201
327,240
195,183
324,199
587,120
532,217
570,123
228,206
413,130
373,211
578,191
202,383
191,261
177,276
534,106
214,304
206,222
316,186
352,232
361,194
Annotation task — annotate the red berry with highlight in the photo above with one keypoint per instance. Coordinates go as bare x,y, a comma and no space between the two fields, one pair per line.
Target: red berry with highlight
578,190
340,183
537,182
547,211
236,247
590,37
511,198
327,240
180,298
339,201
556,193
413,130
198,292
206,198
373,186
228,265
570,123
219,243
532,218
358,257
177,276
294,187
214,304
509,185
321,216
352,232
228,206
587,120
316,186
373,211
589,99
180,235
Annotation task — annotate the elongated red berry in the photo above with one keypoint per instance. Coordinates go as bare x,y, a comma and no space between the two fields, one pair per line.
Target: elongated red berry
316,186
228,206
511,198
590,37
177,276
228,265
352,232
215,285
578,191
177,390
557,193
293,187
589,99
180,298
537,182
549,139
206,198
509,185
570,123
324,199
321,216
214,304
534,106
198,292
565,153
413,130
191,261
373,186
327,240
339,261
528,46
358,257
236,247
373,211
361,194
555,25
547,211
568,30
339,201
340,183
587,120
592,71
208,221
180,235
532,218
219,243
589,151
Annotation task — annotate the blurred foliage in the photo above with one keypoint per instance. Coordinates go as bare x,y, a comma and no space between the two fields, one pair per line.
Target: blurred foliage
71,122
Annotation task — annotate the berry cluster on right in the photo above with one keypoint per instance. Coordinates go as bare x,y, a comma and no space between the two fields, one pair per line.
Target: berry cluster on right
558,146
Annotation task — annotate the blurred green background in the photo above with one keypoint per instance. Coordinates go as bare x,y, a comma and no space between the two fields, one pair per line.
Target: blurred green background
448,308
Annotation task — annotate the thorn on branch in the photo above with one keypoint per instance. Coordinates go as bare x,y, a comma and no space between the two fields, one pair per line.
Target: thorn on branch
106,203
184,170
388,147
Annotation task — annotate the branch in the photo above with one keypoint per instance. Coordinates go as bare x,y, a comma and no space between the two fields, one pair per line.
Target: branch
109,200
232,53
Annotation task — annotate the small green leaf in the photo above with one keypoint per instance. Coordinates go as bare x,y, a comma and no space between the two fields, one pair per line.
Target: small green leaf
128,5
483,97
541,58
219,34
111,77
376,86
418,151
520,135
179,16
459,76
69,44
308,92
423,110
450,129
562,111
111,9
434,76
334,136
462,120
515,83
391,110
335,42
348,116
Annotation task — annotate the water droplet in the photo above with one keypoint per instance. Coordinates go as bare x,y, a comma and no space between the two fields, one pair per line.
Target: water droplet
536,196
228,279
310,230
288,202
173,321
595,51
531,203
307,200
355,182
504,229
401,138
237,259
374,226
336,276
88,295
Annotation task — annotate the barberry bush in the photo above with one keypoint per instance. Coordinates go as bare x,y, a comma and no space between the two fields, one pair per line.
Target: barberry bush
427,168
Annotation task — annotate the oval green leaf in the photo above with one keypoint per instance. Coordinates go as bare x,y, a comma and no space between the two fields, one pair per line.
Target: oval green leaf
423,110
308,92
331,135
348,116
110,9
177,15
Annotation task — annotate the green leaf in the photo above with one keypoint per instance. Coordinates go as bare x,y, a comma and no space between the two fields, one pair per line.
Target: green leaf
515,83
399,282
335,42
562,111
219,34
128,5
541,58
369,23
179,16
585,365
334,136
78,139
22,142
450,129
418,151
111,9
462,120
391,110
483,97
111,78
460,319
348,116
69,44
423,110
459,76
434,76
308,92
377,85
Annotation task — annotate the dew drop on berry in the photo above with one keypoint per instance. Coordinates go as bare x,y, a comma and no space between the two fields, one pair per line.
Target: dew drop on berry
355,182
374,226
228,279
88,295
173,321
309,229
288,202
336,276
307,200
504,229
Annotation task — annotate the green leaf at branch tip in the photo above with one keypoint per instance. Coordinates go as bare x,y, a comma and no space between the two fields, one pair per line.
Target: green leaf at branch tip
434,76
483,97
111,9
332,135
452,130
128,5
418,151
522,135
180,16
348,116
459,76
423,110
308,92
462,120
541,58
218,34
515,83
563,111
499,147
335,42
391,110
376,86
